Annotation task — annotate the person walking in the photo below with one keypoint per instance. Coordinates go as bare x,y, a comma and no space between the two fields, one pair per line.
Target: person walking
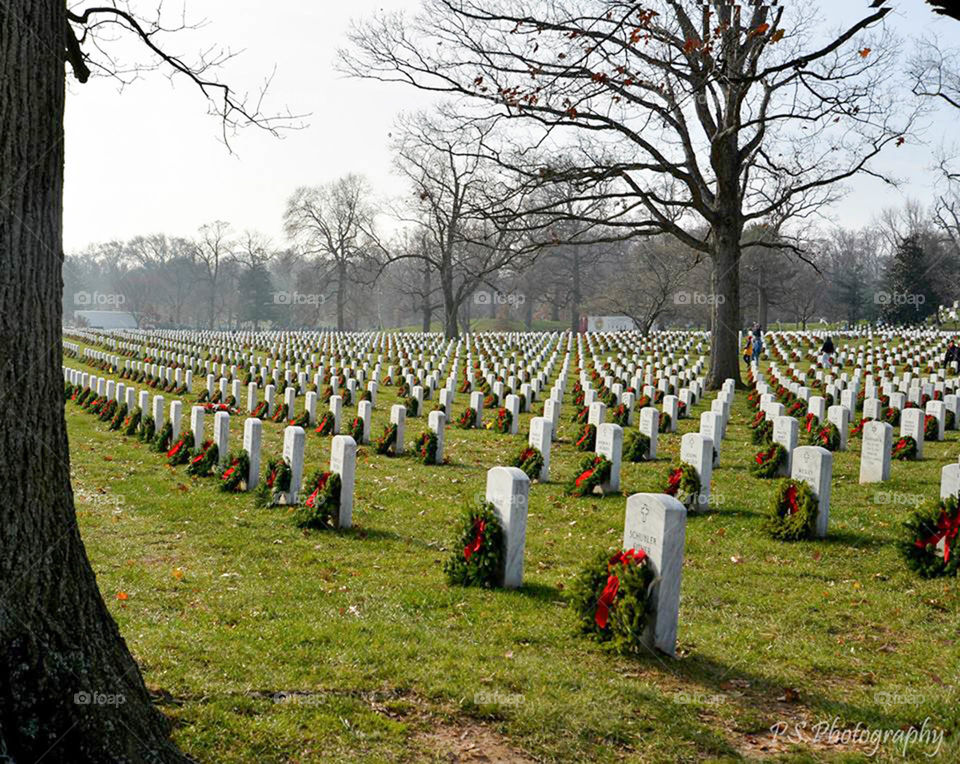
757,342
826,351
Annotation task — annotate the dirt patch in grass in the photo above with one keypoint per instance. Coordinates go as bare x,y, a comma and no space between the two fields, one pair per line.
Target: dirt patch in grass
467,742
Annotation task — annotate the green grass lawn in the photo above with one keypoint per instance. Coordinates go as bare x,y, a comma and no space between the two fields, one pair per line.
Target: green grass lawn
269,644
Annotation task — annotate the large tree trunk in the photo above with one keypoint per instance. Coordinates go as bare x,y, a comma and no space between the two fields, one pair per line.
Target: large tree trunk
62,653
725,323
763,303
425,312
450,306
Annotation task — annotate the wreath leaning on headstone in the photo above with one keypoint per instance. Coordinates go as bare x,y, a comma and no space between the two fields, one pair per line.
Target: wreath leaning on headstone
664,422
931,427
930,537
762,433
234,474
503,421
387,442
827,436
276,482
683,484
768,462
904,449
321,509
356,429
530,460
636,447
203,459
587,438
468,419
593,472
793,513
326,425
856,431
163,439
611,599
426,446
478,555
131,425
179,452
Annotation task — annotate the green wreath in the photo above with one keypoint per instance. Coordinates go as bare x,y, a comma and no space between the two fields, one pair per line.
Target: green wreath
161,441
280,415
593,472
891,416
131,425
762,433
664,422
235,473
148,429
827,436
260,411
636,448
931,427
530,460
203,459
107,411
587,438
427,445
356,429
326,425
621,415
301,421
503,421
468,419
925,531
950,421
322,506
411,405
478,555
683,484
581,416
179,452
793,512
118,417
768,462
387,441
276,482
904,449
611,599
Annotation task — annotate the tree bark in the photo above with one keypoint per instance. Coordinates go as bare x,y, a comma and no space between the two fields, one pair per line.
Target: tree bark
725,318
425,297
450,328
59,640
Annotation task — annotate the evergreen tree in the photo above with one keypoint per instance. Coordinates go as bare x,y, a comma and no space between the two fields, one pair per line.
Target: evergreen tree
908,297
257,303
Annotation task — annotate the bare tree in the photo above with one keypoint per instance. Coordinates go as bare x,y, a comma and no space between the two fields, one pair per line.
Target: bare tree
707,115
212,250
646,283
456,200
333,223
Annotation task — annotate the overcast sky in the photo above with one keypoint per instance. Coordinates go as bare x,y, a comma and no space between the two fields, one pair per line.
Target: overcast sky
148,159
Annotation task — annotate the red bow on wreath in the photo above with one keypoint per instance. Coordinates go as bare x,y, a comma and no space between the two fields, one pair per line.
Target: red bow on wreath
479,526
585,436
792,506
228,473
673,484
947,529
173,451
609,593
